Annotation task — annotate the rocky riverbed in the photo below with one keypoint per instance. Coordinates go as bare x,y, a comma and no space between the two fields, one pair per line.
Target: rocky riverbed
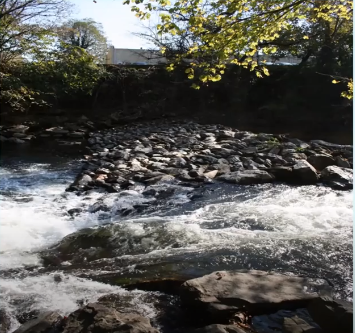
166,214
194,154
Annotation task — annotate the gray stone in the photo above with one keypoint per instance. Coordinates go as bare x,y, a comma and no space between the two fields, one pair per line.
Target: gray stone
221,293
304,173
97,318
211,174
44,323
16,140
332,315
218,328
18,129
320,161
159,179
342,162
247,177
282,173
340,178
298,325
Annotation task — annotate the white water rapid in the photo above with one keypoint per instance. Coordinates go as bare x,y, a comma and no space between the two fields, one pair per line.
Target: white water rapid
301,229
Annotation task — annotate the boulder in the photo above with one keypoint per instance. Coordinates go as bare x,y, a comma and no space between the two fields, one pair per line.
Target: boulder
44,323
97,318
5,321
332,315
282,173
247,177
298,325
320,161
304,173
337,177
211,174
217,328
342,162
221,294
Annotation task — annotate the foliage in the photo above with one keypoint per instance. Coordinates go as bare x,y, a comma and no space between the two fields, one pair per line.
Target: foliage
230,31
86,34
28,24
49,77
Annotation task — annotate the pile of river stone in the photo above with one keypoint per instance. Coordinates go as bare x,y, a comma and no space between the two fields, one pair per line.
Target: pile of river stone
187,152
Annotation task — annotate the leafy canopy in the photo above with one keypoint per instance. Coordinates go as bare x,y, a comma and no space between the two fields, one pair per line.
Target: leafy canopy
235,31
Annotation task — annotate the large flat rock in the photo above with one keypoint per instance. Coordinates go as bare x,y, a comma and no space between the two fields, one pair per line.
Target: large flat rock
225,292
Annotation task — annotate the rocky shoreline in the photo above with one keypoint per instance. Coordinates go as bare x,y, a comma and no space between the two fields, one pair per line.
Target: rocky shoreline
190,153
221,302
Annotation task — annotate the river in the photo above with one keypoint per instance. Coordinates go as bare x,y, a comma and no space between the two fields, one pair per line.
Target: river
303,230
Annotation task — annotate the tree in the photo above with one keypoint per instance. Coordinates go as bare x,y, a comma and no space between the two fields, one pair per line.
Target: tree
86,34
234,31
27,24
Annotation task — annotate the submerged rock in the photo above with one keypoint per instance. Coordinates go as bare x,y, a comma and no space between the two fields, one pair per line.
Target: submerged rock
218,328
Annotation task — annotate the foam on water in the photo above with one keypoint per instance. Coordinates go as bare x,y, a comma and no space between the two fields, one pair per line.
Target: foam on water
300,226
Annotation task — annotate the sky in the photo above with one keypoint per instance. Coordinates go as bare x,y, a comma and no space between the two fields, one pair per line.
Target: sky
117,20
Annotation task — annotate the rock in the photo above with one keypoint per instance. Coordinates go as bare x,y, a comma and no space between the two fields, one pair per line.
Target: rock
220,294
2,138
75,211
304,173
77,134
281,173
57,130
211,174
19,135
84,180
5,321
44,323
342,162
18,129
15,140
160,178
247,177
97,318
337,177
320,161
298,325
218,328
332,315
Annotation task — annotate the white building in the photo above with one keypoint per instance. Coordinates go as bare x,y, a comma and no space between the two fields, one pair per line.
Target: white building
146,57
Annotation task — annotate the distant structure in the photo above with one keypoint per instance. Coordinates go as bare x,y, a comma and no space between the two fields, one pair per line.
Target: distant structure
146,57
133,57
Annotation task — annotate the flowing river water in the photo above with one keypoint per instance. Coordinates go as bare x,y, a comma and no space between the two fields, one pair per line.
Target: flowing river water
303,230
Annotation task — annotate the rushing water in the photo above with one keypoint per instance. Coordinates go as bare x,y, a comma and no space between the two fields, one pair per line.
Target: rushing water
304,230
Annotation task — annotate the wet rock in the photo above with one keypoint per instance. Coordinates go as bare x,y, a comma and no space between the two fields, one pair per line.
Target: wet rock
5,321
75,211
16,140
332,315
342,162
337,177
18,129
304,173
47,322
220,294
320,161
218,328
247,177
282,173
97,318
298,325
